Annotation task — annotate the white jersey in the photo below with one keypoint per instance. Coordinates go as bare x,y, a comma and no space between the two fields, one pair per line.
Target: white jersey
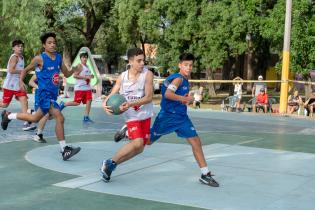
132,91
83,84
12,81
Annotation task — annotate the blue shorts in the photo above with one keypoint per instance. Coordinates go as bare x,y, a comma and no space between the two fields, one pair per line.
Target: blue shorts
166,123
44,100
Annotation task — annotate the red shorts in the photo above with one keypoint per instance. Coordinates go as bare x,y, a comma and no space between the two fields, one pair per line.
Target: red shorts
139,129
82,96
8,95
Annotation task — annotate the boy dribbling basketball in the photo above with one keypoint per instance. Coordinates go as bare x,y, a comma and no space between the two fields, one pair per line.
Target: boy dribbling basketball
136,84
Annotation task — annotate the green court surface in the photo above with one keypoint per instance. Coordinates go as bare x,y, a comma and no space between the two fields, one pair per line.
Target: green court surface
260,161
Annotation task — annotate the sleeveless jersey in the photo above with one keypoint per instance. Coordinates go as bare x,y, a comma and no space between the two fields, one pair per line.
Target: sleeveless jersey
170,106
12,81
132,91
48,76
83,84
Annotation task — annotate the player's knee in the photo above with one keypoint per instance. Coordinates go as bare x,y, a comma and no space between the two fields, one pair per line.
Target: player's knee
60,119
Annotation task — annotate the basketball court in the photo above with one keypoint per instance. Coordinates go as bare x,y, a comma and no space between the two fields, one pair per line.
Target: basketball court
261,162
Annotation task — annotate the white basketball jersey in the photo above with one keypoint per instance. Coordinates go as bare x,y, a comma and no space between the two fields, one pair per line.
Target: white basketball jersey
12,81
82,84
132,91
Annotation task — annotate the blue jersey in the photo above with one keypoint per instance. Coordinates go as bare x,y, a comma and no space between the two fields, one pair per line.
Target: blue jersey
170,106
48,82
48,76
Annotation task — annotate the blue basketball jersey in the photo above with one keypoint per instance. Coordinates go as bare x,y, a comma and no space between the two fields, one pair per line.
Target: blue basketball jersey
48,76
175,107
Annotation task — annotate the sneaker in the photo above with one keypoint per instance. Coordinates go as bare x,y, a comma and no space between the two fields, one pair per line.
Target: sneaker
121,134
87,119
39,138
5,120
28,127
108,166
61,105
208,180
70,151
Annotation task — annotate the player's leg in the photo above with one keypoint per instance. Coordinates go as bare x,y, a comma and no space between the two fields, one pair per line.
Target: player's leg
8,116
38,137
138,139
67,151
188,131
87,99
206,176
22,98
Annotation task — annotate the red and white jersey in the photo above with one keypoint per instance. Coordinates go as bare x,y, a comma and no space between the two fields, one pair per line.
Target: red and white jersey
132,91
83,84
12,81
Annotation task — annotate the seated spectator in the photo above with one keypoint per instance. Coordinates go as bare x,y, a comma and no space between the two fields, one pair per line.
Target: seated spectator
294,102
238,92
309,105
261,101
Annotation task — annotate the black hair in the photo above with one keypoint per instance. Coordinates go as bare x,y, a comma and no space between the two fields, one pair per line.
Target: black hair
132,52
186,57
45,36
84,54
17,42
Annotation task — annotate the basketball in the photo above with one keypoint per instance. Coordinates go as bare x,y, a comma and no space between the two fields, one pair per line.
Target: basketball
114,102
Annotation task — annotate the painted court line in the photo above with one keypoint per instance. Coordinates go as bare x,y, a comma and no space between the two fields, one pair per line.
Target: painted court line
250,178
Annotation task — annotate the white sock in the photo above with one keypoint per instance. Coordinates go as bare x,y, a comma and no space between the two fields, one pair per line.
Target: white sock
12,116
204,170
62,144
39,131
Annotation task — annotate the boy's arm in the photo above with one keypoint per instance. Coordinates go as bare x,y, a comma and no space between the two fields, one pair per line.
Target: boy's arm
65,70
171,89
76,74
12,64
35,62
32,82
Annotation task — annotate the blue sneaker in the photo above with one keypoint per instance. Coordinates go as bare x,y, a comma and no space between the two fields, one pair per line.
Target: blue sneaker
108,166
61,105
87,119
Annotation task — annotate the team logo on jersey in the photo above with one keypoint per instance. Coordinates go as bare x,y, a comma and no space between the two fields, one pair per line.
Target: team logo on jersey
55,79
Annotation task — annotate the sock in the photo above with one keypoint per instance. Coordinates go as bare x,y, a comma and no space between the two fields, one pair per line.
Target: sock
62,144
12,116
204,170
39,131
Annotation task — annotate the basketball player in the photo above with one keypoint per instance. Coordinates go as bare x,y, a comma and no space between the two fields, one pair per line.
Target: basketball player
11,85
173,115
38,137
82,88
136,84
47,68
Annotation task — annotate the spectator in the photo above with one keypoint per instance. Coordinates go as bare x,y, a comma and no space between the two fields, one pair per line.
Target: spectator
258,86
261,100
309,105
294,102
238,91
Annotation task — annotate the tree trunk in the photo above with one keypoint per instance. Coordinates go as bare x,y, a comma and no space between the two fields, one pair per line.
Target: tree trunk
250,70
308,88
210,86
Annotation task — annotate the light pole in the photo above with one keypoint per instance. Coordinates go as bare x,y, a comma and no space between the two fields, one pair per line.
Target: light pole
285,59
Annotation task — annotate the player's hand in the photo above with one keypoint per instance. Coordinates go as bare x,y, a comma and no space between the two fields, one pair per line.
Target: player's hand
22,86
106,108
124,107
187,99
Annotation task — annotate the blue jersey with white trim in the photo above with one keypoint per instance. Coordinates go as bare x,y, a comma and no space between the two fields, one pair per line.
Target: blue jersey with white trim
48,76
170,106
